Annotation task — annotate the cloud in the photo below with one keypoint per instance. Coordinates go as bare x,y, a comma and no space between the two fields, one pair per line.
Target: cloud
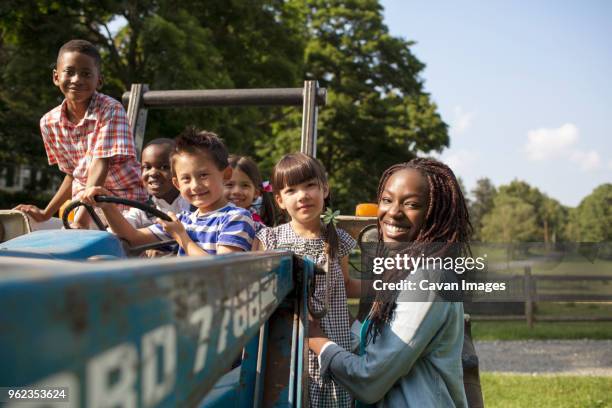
546,143
586,160
461,162
560,144
462,121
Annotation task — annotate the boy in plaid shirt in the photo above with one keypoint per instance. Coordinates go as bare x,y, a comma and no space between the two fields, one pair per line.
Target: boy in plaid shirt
87,136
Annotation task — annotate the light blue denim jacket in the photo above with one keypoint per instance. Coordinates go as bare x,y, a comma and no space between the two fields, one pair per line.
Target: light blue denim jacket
415,361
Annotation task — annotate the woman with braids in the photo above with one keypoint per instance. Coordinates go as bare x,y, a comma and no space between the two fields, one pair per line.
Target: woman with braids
301,189
410,354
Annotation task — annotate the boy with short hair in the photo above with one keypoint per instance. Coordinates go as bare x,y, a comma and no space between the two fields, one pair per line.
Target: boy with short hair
157,179
199,170
87,136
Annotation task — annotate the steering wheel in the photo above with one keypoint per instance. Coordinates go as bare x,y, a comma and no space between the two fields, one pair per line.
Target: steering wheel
118,200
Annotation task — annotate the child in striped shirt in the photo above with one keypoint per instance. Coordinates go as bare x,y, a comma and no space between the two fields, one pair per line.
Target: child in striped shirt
199,171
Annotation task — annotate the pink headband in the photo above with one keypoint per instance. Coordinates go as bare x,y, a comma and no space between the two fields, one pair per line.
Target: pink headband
266,186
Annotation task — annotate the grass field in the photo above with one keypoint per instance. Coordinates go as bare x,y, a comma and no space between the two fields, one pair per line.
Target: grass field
503,390
541,331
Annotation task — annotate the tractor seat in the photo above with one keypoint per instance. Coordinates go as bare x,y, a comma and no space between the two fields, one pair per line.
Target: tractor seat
71,245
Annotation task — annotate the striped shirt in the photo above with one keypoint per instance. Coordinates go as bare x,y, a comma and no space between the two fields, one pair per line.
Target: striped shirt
229,226
102,133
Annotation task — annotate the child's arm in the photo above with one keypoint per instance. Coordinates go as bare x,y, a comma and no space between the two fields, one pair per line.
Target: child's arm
352,286
121,227
63,193
96,176
226,249
257,245
177,230
98,170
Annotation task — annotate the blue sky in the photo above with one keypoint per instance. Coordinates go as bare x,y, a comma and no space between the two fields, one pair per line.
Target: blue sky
525,86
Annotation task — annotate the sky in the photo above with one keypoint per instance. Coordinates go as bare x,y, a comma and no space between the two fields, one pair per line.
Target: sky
525,86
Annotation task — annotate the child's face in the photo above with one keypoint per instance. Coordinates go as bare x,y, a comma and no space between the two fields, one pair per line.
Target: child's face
240,190
156,173
304,202
200,181
77,76
403,206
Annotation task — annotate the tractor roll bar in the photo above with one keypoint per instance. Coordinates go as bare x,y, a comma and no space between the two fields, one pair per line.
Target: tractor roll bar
140,99
227,97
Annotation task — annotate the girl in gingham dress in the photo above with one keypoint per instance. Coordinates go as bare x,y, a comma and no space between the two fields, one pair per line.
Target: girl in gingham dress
300,188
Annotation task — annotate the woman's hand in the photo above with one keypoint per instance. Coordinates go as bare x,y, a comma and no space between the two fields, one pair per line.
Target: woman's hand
88,195
175,228
316,336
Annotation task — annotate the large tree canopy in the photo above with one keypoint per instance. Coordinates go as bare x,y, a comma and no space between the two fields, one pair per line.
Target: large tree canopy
377,112
591,221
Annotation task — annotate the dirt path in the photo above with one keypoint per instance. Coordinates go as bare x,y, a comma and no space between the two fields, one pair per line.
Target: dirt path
559,357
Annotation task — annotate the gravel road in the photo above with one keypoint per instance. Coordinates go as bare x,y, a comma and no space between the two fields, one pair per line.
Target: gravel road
559,357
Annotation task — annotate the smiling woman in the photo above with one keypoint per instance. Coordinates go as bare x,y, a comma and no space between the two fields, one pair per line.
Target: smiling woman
402,206
410,352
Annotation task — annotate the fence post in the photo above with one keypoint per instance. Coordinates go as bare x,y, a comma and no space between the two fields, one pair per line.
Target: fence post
529,296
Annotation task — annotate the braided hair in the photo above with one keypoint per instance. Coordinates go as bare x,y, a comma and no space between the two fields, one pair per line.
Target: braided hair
446,229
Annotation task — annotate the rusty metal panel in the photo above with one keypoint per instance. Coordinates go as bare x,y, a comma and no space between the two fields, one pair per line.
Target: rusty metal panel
145,333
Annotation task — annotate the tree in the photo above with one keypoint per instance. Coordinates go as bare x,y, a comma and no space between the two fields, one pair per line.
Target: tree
591,221
483,194
554,217
511,220
551,216
377,113
190,45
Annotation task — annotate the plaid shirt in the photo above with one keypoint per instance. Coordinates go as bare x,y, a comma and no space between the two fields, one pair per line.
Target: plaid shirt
103,132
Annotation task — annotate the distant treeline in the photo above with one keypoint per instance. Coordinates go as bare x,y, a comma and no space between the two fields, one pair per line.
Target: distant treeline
518,212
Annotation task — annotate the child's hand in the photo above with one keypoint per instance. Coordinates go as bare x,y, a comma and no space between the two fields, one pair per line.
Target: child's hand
87,196
33,211
175,228
81,219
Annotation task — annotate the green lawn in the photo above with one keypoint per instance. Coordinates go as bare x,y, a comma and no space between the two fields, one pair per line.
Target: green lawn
519,330
592,309
504,390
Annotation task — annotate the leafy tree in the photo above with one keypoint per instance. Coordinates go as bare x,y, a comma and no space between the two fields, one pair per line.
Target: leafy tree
169,46
482,202
511,220
551,216
591,221
377,113
554,217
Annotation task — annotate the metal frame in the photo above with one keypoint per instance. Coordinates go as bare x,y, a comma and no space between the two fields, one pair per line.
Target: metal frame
140,98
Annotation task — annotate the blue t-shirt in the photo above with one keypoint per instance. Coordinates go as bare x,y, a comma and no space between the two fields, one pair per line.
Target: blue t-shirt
229,225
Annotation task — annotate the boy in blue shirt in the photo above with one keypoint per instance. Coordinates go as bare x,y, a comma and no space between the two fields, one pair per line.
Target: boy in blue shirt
200,169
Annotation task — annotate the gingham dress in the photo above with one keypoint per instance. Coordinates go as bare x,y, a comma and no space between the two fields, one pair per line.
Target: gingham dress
335,324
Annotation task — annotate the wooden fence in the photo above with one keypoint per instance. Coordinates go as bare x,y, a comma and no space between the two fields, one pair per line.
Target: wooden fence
532,296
